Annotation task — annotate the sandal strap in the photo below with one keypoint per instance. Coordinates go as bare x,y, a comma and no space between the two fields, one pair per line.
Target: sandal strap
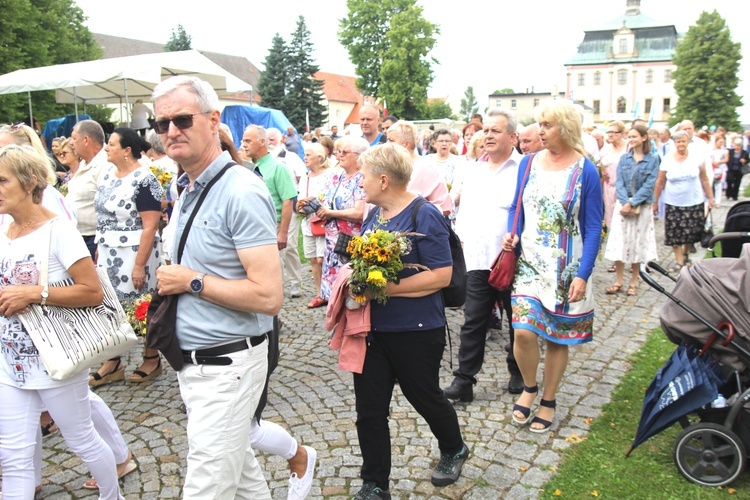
545,423
151,357
531,390
523,410
548,404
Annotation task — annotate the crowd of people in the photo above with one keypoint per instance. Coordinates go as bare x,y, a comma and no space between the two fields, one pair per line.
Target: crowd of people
541,191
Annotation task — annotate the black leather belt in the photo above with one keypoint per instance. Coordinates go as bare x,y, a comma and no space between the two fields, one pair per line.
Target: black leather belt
215,355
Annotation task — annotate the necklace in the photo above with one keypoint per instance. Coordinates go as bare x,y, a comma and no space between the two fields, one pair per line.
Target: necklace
23,228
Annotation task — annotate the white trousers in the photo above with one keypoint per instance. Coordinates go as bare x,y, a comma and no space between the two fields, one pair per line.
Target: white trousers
19,435
220,403
273,439
104,424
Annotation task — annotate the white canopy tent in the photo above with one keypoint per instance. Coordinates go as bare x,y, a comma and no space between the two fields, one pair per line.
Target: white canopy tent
119,80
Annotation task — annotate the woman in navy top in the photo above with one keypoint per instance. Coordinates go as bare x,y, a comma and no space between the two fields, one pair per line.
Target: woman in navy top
408,332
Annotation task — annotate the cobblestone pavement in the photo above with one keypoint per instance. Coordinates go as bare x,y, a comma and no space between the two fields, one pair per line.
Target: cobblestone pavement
312,399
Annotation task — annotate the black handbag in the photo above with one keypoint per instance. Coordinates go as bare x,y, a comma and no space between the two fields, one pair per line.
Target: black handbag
342,243
708,230
162,312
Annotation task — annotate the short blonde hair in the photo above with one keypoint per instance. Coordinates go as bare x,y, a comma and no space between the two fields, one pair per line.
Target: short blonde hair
474,144
388,159
23,135
29,166
568,118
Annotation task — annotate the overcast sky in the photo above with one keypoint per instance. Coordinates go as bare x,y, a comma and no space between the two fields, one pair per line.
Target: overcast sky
489,44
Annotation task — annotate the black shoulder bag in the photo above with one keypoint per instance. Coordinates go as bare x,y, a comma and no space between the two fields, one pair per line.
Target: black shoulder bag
162,312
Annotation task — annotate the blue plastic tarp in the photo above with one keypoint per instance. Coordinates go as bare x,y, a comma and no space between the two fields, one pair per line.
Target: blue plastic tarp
239,117
61,127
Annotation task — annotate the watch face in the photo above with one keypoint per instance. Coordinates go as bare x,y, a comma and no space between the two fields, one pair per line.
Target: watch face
196,285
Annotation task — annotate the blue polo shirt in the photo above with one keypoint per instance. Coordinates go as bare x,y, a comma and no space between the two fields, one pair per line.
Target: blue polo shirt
405,314
237,213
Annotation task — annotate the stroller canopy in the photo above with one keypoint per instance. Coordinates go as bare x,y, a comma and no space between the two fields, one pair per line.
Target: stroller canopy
717,289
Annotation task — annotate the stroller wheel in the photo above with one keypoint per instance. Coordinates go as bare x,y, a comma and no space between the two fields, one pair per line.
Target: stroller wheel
709,454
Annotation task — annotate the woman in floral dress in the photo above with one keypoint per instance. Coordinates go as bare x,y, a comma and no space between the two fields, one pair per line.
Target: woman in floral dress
128,210
343,206
560,228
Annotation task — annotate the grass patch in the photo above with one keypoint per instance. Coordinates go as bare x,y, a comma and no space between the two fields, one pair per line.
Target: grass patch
746,192
598,467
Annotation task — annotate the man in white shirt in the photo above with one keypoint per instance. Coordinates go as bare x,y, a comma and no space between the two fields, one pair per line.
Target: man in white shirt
88,143
488,191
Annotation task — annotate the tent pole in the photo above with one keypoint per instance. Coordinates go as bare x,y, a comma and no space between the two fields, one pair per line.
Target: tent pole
31,114
127,104
75,102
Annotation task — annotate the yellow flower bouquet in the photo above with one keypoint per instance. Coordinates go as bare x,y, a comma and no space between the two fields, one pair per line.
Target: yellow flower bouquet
163,176
376,260
137,311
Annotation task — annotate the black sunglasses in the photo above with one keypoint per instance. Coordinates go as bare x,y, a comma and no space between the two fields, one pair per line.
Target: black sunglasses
180,121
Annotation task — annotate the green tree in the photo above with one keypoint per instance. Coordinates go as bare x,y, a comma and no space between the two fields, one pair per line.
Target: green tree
41,33
179,40
469,104
272,83
304,93
389,42
437,109
706,80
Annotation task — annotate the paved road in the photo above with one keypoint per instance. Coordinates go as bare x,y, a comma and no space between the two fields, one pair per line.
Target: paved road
315,402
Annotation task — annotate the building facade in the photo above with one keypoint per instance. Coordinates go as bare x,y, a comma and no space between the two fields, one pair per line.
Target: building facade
524,104
623,69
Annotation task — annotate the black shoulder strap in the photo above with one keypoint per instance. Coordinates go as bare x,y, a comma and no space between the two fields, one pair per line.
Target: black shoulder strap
183,238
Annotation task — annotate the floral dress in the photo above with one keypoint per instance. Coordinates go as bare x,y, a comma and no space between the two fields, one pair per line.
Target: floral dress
340,194
119,227
552,247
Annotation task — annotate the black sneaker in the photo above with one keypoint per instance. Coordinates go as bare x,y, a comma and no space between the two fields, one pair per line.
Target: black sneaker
370,491
448,470
461,391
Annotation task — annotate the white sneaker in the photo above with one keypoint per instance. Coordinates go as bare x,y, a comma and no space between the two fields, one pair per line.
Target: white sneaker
299,487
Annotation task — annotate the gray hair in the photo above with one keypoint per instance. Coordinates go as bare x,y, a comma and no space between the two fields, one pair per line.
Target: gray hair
679,135
205,95
509,115
92,130
355,144
317,149
259,131
274,132
156,143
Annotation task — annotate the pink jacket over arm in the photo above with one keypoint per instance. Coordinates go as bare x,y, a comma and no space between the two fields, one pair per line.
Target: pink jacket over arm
350,326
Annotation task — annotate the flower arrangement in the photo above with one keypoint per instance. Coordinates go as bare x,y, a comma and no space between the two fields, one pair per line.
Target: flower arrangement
137,312
164,177
376,260
63,189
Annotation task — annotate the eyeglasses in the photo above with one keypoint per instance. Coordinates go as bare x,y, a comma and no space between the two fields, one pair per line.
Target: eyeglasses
180,121
614,132
347,152
336,151
63,154
444,141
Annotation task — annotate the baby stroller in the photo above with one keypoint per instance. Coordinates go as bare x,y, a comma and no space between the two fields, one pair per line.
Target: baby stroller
708,314
736,231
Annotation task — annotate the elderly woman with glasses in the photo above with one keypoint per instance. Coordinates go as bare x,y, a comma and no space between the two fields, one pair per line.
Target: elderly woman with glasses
343,207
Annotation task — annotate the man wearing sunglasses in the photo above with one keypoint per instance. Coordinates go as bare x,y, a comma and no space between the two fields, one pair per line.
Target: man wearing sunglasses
228,281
